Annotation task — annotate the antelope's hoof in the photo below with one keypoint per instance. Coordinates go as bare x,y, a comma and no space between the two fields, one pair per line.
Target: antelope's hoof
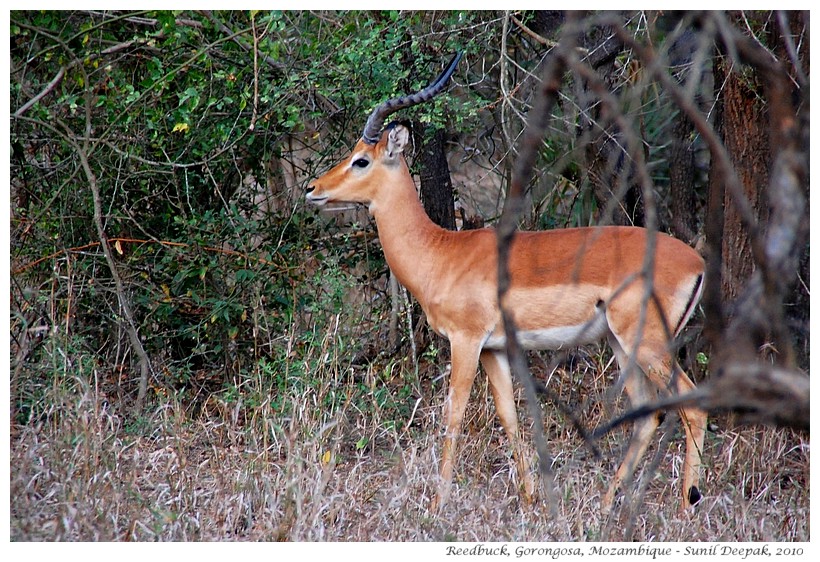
694,495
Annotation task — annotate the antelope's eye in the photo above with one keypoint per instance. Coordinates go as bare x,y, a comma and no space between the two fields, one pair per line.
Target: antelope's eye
360,163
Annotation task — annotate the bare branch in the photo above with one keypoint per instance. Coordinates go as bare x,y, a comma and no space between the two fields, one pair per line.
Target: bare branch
47,90
542,40
758,393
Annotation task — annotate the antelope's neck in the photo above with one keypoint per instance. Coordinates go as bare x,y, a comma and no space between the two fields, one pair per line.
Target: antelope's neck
412,243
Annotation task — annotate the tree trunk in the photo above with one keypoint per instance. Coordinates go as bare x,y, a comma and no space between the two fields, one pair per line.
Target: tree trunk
745,131
682,200
762,117
436,185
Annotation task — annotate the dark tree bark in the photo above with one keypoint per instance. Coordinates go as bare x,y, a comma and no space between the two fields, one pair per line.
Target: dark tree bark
740,122
436,186
759,227
683,189
682,204
546,23
744,128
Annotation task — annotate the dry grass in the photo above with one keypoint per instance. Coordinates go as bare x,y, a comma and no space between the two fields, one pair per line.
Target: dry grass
241,472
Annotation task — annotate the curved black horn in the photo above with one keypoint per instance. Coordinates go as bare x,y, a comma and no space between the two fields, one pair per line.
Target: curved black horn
375,123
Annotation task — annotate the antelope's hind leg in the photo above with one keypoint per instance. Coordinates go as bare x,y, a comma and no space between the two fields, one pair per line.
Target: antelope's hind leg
651,375
694,425
639,391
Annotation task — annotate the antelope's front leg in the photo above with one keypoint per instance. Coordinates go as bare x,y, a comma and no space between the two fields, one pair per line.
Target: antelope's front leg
464,367
498,374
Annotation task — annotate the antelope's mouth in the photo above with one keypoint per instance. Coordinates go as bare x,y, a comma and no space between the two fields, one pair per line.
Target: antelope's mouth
316,199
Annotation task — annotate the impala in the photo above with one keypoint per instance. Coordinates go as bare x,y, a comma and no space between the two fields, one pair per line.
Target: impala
569,287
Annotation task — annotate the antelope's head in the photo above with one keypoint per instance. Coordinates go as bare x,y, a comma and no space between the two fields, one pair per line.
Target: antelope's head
379,153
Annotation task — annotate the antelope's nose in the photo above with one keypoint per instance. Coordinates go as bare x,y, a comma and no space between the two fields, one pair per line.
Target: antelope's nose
310,195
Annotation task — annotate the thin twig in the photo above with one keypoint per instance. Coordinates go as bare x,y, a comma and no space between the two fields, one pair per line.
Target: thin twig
234,36
120,240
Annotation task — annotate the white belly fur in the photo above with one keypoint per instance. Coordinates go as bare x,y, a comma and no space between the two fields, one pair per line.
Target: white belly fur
555,337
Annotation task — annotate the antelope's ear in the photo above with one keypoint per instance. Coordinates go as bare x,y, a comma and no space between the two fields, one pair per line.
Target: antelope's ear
397,138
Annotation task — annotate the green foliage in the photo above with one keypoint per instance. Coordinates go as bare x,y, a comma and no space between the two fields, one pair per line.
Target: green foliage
180,108
173,111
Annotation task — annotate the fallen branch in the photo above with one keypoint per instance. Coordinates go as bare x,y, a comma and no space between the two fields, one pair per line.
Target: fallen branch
758,393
